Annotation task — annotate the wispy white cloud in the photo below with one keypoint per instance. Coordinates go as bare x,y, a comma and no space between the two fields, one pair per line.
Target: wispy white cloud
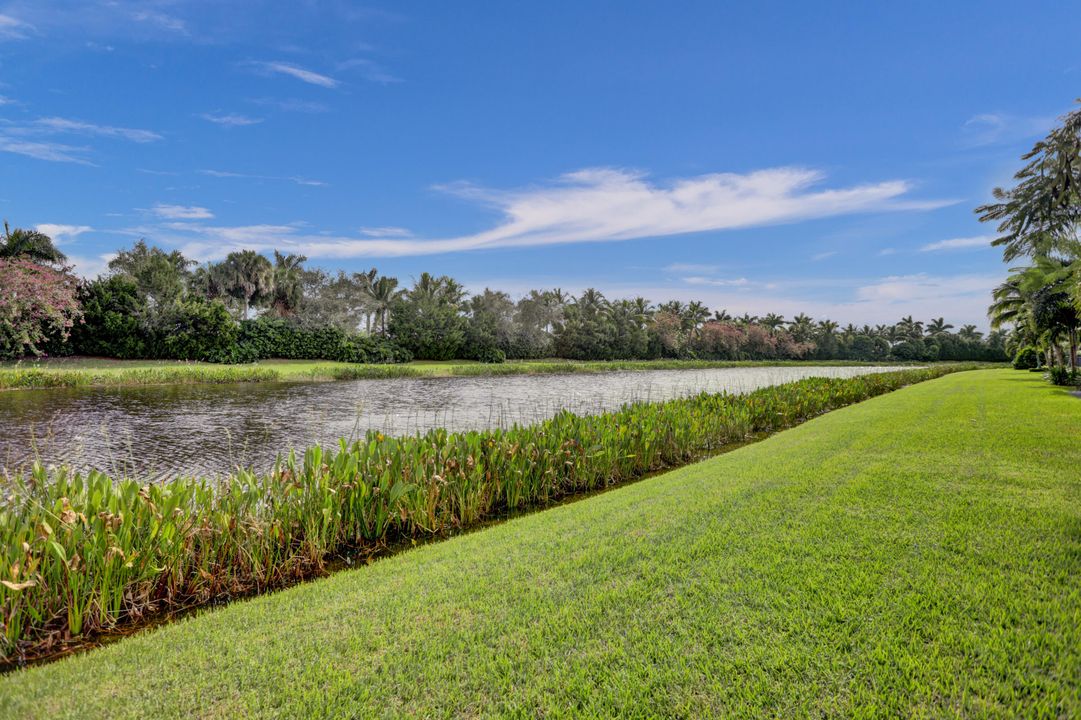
717,282
161,20
78,127
369,70
12,28
181,212
230,119
386,232
600,205
962,243
302,74
248,176
91,266
691,268
53,152
995,128
818,257
292,105
888,251
63,233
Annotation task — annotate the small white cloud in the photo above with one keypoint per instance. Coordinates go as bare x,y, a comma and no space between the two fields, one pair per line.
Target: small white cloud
385,232
78,127
292,105
293,178
887,251
691,268
53,152
994,128
11,28
62,233
717,282
161,20
91,267
181,212
308,76
963,243
230,119
823,255
369,70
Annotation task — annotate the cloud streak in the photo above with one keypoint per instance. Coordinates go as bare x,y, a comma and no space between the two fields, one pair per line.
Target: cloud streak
247,176
62,234
295,71
962,243
78,127
181,212
607,205
230,119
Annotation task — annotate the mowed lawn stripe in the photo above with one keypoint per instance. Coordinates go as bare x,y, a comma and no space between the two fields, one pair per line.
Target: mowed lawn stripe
917,554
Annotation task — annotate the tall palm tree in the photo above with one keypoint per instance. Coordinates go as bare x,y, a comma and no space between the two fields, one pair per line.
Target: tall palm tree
30,245
773,321
827,328
938,326
802,327
363,281
970,333
694,314
721,316
249,277
288,283
382,293
910,328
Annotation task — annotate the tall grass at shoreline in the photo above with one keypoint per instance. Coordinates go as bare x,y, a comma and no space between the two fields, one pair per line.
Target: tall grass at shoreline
82,553
33,376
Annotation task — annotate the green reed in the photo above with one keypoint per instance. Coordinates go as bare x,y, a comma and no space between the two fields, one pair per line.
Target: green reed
19,378
79,553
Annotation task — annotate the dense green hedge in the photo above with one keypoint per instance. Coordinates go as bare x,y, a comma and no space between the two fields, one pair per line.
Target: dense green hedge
274,338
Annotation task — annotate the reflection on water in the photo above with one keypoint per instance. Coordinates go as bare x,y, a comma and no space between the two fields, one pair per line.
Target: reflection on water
156,431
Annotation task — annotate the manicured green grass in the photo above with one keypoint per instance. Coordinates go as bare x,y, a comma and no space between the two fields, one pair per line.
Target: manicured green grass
913,555
71,372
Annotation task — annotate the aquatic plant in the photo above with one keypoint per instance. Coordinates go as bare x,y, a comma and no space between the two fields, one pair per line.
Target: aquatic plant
82,553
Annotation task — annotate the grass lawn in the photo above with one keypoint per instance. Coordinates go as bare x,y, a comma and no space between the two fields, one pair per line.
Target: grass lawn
917,554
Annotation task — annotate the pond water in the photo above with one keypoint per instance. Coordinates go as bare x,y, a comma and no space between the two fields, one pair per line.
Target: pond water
156,431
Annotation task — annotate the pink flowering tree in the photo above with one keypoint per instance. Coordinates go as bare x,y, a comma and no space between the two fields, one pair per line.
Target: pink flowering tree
37,303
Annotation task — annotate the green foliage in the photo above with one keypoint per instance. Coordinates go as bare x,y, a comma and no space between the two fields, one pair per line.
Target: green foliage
113,319
88,552
274,338
1026,358
1061,375
161,276
196,329
427,320
491,355
31,245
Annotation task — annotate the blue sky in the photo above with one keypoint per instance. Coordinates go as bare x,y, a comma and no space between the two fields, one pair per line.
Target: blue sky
761,157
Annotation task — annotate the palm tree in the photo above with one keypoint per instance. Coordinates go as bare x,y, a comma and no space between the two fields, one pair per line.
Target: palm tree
288,284
938,326
910,328
694,314
773,321
746,319
249,277
827,328
849,331
642,309
382,293
363,281
721,316
970,333
31,245
801,327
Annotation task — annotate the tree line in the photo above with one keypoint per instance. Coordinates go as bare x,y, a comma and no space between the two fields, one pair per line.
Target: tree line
158,303
1038,222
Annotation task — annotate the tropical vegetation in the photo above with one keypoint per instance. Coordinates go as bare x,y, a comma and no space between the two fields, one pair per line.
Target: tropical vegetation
1038,221
911,556
79,553
158,304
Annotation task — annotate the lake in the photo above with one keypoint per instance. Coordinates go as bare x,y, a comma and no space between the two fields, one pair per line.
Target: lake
156,431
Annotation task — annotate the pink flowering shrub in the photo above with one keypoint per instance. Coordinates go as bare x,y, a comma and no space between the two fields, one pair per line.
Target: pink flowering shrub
37,304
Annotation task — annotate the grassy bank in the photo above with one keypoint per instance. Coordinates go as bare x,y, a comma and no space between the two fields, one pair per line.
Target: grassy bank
87,553
913,555
77,372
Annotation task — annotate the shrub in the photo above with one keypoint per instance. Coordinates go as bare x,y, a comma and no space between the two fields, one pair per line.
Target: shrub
1026,358
1061,375
37,304
196,329
276,338
112,325
491,355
